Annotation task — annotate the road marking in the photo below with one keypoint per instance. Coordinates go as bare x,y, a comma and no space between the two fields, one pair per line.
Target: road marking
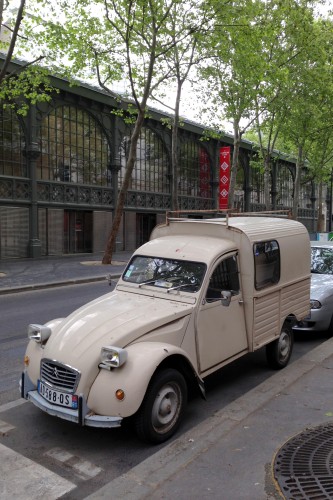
5,427
59,454
86,469
83,468
12,404
21,478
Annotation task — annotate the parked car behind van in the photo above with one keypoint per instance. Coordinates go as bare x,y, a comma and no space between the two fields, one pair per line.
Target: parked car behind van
321,301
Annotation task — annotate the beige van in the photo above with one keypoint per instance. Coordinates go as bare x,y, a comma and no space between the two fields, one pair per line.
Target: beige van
200,294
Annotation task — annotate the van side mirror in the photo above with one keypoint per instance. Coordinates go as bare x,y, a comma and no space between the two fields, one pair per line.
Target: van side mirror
226,297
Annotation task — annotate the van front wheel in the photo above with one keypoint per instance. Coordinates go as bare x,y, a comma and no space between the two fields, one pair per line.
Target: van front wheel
162,408
278,353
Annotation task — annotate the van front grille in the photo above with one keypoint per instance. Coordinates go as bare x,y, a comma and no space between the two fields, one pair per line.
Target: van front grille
59,376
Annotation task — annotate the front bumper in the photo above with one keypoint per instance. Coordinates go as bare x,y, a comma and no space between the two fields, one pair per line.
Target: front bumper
319,321
82,416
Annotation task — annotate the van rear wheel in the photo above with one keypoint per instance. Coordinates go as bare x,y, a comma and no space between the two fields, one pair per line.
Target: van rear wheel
278,353
162,408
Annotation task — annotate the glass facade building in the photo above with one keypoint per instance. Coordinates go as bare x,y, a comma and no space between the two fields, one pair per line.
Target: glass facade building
62,165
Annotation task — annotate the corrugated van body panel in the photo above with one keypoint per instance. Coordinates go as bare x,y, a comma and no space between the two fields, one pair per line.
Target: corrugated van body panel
258,229
272,309
266,318
295,300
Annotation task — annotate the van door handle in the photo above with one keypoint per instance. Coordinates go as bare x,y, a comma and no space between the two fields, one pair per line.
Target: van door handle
241,301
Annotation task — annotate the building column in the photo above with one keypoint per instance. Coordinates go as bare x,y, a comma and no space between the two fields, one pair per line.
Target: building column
215,194
274,192
32,154
35,246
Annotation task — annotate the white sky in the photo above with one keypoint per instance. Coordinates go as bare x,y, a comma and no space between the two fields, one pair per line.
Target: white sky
188,107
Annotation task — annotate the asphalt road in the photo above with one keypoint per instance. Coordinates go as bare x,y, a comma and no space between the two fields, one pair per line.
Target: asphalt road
105,453
18,310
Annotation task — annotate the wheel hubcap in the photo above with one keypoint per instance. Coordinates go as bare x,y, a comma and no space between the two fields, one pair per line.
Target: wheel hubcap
284,345
166,407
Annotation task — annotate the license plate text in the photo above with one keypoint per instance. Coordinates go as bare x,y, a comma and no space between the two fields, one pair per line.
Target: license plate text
57,397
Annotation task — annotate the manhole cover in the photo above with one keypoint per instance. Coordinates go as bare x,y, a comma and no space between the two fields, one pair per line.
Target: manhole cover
303,467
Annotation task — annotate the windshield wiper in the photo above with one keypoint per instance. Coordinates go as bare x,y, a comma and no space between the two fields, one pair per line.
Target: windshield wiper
177,287
149,282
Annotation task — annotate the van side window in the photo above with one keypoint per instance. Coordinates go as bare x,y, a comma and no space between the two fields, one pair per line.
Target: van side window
224,277
266,263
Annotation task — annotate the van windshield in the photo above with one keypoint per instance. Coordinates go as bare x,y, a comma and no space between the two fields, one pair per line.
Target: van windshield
165,273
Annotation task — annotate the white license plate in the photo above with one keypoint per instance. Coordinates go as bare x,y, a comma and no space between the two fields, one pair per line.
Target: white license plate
57,397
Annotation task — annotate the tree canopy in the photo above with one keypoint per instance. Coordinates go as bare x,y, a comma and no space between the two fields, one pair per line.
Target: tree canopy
29,82
265,66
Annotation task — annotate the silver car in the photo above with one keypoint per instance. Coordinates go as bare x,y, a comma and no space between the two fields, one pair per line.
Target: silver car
321,315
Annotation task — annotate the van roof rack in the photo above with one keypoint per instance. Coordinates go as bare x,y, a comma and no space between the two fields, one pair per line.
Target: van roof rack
175,214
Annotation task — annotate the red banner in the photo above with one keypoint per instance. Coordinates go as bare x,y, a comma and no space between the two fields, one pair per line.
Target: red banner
224,177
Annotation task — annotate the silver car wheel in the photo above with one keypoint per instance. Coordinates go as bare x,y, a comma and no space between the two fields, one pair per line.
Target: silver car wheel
166,406
279,351
284,345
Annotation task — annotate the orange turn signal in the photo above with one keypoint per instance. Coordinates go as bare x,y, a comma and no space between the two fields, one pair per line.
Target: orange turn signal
120,395
26,360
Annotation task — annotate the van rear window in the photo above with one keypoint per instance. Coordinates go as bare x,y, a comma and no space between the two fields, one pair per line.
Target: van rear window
266,263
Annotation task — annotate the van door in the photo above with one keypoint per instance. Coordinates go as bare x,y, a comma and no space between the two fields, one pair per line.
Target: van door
221,331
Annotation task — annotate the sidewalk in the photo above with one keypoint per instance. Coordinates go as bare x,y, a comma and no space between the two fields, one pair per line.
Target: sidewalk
27,274
230,455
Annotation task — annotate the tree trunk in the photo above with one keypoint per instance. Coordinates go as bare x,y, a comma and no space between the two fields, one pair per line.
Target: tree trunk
234,165
298,167
107,258
14,35
174,153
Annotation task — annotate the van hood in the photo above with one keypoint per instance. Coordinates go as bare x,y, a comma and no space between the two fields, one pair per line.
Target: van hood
115,319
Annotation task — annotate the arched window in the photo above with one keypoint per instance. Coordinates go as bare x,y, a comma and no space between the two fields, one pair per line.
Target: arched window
194,171
257,184
12,145
307,193
74,148
151,167
284,186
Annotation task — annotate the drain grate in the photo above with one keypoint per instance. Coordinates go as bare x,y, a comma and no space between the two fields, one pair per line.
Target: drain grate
303,467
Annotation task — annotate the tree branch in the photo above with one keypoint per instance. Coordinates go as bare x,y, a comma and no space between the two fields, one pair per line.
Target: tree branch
9,55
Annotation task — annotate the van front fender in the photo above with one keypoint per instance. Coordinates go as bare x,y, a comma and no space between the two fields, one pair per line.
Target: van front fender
132,378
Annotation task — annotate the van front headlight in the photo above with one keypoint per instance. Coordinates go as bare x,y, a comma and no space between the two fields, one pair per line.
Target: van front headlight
39,333
112,357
